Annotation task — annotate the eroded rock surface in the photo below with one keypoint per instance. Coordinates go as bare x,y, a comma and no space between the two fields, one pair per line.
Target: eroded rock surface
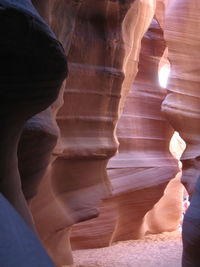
181,105
102,40
141,170
32,70
103,60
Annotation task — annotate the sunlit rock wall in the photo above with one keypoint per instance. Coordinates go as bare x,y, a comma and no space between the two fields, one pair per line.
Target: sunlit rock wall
102,61
141,170
103,46
182,104
144,165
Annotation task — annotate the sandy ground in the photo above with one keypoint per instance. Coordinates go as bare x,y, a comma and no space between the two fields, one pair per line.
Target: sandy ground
163,250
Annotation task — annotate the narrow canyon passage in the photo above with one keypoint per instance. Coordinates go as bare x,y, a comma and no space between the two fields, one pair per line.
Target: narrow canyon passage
107,158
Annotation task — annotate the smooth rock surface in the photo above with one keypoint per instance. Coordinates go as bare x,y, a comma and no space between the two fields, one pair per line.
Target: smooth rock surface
102,40
141,170
77,179
181,106
33,67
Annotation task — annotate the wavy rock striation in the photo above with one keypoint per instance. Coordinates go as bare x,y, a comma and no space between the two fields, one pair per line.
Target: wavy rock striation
182,102
103,41
144,165
103,58
182,108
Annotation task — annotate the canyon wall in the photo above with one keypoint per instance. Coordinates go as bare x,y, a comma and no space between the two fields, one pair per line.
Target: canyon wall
103,58
141,170
33,67
181,106
140,196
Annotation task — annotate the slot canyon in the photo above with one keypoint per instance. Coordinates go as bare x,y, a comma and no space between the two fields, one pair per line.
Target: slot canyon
100,133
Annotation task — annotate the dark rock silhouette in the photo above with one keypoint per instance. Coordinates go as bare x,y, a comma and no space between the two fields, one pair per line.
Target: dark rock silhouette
33,67
18,244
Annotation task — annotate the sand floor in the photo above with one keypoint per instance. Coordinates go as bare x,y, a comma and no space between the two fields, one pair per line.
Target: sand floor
162,250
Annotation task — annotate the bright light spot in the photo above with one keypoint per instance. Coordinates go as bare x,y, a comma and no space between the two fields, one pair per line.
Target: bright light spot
177,145
163,75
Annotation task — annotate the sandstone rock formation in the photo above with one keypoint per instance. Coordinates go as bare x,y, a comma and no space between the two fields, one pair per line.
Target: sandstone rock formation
40,133
30,82
191,233
102,40
88,137
36,144
103,63
33,67
144,165
181,105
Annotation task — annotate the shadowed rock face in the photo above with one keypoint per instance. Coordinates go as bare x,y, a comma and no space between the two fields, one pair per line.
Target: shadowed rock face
32,56
41,132
36,144
33,67
19,246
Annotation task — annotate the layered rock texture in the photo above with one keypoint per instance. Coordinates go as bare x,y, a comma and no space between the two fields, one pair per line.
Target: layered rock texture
144,165
103,61
30,82
182,103
89,192
181,107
